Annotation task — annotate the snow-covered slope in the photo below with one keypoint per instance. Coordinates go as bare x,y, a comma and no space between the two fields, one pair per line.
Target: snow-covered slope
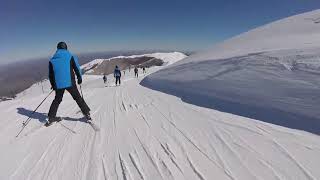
297,32
271,73
146,134
168,58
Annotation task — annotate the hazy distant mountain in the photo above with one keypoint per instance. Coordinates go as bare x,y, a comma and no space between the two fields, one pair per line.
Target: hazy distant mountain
18,76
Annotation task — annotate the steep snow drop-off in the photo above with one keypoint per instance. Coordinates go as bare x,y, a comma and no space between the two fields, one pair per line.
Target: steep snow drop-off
270,74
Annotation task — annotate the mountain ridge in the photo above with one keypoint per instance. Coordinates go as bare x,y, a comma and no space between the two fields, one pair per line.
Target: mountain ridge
271,79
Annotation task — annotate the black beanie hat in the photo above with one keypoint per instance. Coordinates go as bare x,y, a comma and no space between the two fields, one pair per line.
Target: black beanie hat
62,45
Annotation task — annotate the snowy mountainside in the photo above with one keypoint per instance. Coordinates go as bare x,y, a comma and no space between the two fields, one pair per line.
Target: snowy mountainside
296,32
168,58
270,74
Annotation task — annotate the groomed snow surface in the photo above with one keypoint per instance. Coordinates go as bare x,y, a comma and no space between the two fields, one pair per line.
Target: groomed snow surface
145,134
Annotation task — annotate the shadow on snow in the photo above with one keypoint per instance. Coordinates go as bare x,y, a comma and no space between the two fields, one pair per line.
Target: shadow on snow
42,117
221,91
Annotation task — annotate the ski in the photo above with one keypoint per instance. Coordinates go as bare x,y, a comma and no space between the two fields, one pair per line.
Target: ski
26,122
93,125
36,129
66,127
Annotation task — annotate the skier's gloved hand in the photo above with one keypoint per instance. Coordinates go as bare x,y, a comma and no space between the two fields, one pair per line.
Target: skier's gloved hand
79,81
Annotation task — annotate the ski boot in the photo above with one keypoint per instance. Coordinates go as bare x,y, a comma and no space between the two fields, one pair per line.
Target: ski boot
88,117
52,120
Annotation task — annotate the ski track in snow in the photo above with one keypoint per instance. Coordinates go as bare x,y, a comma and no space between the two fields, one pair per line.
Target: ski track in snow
145,134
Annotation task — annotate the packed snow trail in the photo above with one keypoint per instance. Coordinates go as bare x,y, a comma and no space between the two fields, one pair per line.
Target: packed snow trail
145,134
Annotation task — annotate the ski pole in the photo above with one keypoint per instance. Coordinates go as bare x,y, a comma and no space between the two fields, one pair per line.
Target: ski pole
25,123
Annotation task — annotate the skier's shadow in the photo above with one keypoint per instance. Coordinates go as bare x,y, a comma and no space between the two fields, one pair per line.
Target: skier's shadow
42,117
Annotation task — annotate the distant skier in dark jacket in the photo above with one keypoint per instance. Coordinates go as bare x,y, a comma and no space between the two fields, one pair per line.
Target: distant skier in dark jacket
104,78
62,69
136,72
144,70
117,75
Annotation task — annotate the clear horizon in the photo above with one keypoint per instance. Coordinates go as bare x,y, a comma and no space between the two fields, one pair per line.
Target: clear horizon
32,30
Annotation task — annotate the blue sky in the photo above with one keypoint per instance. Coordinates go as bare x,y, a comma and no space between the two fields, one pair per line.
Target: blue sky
31,29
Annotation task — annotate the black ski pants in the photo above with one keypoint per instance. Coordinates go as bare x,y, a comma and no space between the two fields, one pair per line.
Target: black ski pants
75,95
118,80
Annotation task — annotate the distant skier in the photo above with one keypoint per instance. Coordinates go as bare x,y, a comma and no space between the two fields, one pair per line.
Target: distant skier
117,75
105,79
62,67
136,72
144,70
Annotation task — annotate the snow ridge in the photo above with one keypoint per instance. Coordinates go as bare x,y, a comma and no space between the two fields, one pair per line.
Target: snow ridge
296,32
270,73
168,58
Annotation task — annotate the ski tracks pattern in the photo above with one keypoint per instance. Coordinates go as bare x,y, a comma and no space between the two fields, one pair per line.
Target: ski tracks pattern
146,134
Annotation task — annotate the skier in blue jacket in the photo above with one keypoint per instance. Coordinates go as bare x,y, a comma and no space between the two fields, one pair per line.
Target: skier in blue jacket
62,69
117,75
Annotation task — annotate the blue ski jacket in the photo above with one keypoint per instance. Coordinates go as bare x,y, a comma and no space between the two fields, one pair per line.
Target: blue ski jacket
62,67
117,72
